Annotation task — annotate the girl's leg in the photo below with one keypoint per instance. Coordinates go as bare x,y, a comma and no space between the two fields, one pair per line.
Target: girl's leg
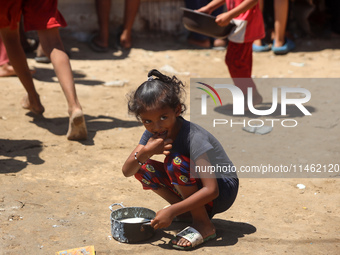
153,177
178,166
201,220
16,55
54,49
167,195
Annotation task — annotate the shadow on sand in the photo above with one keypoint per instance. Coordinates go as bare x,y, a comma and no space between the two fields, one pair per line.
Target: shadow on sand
12,150
59,126
227,233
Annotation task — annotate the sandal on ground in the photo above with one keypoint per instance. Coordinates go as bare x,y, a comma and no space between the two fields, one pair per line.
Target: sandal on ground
262,48
95,47
193,236
42,59
287,47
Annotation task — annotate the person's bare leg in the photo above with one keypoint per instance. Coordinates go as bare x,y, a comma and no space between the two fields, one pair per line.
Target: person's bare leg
258,42
220,43
256,99
167,195
172,198
130,12
103,8
18,60
54,49
201,221
6,70
200,43
281,16
244,84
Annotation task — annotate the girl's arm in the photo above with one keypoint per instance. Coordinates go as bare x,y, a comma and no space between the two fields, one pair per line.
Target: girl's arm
225,18
131,165
210,7
155,145
199,198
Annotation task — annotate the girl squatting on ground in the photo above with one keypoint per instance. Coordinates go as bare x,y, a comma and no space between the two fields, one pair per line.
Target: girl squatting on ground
158,104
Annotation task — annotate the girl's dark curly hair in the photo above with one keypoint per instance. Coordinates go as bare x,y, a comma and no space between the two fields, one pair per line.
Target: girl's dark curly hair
159,92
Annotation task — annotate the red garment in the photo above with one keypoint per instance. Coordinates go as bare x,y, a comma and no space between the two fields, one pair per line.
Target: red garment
3,53
239,59
249,25
174,171
38,14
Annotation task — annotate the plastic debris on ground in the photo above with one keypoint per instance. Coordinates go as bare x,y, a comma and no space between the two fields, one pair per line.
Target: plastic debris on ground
170,69
258,130
300,186
297,64
88,250
116,83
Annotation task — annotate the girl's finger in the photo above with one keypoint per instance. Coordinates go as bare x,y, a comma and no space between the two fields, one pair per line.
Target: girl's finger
168,146
168,141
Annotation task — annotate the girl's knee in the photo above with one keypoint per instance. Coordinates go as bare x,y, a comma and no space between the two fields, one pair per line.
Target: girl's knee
176,159
178,170
151,175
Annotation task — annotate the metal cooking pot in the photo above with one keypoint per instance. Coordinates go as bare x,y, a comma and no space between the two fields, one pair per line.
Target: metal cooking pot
127,232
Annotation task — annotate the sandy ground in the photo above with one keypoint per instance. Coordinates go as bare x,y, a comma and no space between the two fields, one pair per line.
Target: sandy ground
54,193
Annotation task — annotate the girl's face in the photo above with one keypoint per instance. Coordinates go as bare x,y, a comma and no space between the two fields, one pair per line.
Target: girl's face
162,121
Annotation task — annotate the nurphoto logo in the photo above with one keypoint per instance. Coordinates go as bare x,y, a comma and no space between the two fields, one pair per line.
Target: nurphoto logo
238,99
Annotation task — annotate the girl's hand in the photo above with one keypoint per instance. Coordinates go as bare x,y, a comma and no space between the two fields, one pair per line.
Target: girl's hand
158,145
223,19
163,219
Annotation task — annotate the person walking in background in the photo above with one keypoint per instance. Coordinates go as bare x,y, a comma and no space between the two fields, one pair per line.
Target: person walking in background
99,42
248,18
6,69
199,39
281,45
43,16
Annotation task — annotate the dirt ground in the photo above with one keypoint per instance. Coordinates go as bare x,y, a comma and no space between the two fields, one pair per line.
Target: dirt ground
55,194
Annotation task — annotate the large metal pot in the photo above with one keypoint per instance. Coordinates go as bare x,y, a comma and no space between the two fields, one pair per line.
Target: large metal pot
126,232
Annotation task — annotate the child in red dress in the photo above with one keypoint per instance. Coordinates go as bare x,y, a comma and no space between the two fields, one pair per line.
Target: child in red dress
247,16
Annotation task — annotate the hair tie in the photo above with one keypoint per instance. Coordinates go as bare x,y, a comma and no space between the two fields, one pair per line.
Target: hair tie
150,78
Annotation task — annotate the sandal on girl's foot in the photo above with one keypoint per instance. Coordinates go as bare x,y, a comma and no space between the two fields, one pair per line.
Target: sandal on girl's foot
193,236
